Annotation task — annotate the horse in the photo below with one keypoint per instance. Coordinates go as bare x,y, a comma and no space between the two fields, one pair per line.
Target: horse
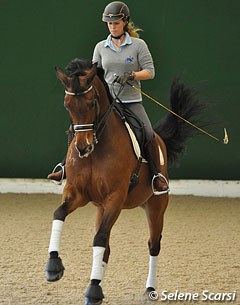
100,163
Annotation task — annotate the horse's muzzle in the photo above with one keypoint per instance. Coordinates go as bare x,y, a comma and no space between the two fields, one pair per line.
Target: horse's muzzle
84,152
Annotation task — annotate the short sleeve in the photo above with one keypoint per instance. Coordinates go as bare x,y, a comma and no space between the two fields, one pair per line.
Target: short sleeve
97,56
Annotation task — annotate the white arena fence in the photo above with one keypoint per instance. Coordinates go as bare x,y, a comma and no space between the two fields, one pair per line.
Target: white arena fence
206,188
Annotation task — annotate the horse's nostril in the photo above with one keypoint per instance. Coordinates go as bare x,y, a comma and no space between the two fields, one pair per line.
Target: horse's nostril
89,148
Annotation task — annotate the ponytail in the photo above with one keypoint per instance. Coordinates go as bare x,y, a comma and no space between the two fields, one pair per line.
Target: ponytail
132,30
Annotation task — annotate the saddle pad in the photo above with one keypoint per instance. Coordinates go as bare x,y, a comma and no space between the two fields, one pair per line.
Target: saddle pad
136,146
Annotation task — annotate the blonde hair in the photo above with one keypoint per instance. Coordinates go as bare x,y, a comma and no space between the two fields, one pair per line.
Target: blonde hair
132,30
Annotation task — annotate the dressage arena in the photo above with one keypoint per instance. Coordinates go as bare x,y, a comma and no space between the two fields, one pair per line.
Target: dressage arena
200,251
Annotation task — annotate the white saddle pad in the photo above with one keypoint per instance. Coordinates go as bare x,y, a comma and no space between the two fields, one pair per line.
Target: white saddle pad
136,146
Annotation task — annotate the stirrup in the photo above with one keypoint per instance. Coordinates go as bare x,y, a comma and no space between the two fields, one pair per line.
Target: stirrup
63,172
159,175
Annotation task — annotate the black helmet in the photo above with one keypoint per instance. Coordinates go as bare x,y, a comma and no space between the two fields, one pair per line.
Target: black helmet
115,11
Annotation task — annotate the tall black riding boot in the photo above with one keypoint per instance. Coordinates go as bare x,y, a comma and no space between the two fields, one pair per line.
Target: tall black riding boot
58,176
159,181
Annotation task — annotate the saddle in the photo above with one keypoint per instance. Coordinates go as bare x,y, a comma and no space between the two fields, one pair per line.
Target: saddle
135,129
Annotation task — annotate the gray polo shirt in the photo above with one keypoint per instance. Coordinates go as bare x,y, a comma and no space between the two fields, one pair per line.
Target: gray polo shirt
133,55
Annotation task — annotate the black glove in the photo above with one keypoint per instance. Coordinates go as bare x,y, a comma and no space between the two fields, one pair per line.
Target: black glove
123,79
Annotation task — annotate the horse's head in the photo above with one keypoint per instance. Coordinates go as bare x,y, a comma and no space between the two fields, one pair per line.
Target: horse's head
81,102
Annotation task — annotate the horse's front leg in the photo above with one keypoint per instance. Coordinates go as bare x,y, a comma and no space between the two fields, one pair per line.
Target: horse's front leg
106,217
99,219
54,268
155,209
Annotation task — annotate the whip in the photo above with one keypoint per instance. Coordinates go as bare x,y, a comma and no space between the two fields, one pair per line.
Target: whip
225,139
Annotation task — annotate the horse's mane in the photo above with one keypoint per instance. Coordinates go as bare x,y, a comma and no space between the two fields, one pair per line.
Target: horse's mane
79,67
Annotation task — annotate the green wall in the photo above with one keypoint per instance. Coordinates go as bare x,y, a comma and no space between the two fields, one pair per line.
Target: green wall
196,38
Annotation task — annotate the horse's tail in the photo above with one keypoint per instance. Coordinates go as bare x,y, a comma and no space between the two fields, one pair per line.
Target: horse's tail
174,131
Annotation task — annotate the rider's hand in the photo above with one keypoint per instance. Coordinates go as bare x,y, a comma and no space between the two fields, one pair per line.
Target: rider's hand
123,79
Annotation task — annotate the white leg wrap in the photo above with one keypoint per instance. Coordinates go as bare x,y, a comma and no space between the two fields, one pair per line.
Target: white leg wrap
152,272
104,270
97,265
54,244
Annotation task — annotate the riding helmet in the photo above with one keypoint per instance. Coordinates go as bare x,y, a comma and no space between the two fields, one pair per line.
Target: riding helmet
115,11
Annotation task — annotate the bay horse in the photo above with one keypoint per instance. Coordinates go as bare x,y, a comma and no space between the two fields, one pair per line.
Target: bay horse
99,165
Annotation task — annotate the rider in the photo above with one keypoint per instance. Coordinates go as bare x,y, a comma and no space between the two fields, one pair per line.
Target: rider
124,54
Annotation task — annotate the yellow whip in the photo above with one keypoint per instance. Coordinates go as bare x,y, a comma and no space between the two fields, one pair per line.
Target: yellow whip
224,141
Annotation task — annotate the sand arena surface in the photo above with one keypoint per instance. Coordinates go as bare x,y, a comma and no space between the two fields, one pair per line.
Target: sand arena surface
200,251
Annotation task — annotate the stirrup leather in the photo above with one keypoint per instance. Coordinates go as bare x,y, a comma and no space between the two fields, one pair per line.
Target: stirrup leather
155,192
63,172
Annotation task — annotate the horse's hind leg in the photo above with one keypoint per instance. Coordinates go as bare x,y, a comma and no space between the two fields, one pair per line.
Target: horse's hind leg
54,268
154,208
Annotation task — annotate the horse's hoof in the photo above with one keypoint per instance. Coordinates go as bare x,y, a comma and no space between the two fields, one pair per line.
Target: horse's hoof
54,269
150,295
94,295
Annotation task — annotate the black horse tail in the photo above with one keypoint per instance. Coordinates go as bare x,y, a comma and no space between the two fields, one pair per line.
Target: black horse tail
174,131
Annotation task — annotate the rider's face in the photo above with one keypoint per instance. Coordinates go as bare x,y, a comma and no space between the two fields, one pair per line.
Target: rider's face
116,28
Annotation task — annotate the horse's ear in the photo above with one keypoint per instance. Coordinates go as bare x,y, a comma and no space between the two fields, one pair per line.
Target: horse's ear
62,77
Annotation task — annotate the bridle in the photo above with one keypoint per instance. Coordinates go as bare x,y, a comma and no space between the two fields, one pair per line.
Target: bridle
99,123
82,127
91,126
